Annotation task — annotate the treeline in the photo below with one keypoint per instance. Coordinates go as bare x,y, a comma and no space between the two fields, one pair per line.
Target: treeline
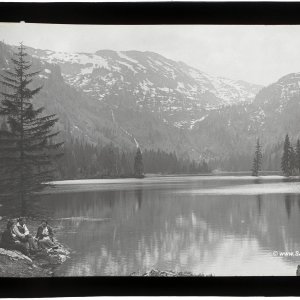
84,160
282,156
233,163
290,161
167,163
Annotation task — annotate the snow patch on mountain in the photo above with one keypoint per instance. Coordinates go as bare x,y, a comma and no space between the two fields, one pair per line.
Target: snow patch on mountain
43,76
150,81
124,56
130,67
193,122
230,91
75,58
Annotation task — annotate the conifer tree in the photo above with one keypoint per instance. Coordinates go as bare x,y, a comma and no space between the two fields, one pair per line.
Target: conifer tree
27,147
138,164
257,161
125,165
298,156
292,160
286,157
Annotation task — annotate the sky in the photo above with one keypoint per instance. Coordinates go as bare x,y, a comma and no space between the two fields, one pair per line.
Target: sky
255,53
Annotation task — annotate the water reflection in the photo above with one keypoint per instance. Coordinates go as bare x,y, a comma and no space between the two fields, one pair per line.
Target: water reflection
139,198
116,232
194,234
259,203
298,202
288,204
258,180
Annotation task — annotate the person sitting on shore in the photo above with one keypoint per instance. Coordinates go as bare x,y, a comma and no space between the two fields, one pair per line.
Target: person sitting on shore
10,241
45,236
21,231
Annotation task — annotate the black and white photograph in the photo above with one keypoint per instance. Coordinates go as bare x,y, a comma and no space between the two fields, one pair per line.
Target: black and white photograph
149,150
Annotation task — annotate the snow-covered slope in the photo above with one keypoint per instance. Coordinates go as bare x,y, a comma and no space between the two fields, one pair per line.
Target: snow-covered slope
145,80
133,97
270,116
278,106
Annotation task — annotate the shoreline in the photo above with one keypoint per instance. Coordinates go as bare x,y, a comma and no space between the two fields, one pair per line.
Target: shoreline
170,175
153,176
146,176
87,185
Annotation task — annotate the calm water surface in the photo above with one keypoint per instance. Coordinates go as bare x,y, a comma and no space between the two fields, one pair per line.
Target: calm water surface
211,225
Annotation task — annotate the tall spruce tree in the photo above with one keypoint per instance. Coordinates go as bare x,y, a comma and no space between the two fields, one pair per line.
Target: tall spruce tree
286,157
257,161
298,156
292,161
27,146
138,164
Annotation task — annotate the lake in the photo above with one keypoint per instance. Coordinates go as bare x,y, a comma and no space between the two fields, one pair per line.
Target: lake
220,225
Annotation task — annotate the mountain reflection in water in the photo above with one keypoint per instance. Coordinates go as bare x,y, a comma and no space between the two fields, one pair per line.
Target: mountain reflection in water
117,232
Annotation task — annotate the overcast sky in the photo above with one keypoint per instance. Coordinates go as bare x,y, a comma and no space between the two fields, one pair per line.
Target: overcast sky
258,54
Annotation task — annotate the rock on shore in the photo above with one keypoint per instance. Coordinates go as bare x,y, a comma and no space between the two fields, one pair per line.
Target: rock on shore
15,264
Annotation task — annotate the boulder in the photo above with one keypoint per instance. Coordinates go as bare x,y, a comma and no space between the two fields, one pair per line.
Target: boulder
14,255
45,258
52,257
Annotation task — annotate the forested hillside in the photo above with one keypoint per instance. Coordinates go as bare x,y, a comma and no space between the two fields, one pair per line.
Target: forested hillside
141,99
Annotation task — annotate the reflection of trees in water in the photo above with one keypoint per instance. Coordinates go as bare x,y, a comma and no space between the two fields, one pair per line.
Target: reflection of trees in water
139,198
144,241
298,202
288,204
11,207
145,235
259,203
158,228
258,181
167,229
82,204
290,200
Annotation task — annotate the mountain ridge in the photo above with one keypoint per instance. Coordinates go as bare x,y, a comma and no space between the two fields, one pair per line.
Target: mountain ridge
157,83
146,99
